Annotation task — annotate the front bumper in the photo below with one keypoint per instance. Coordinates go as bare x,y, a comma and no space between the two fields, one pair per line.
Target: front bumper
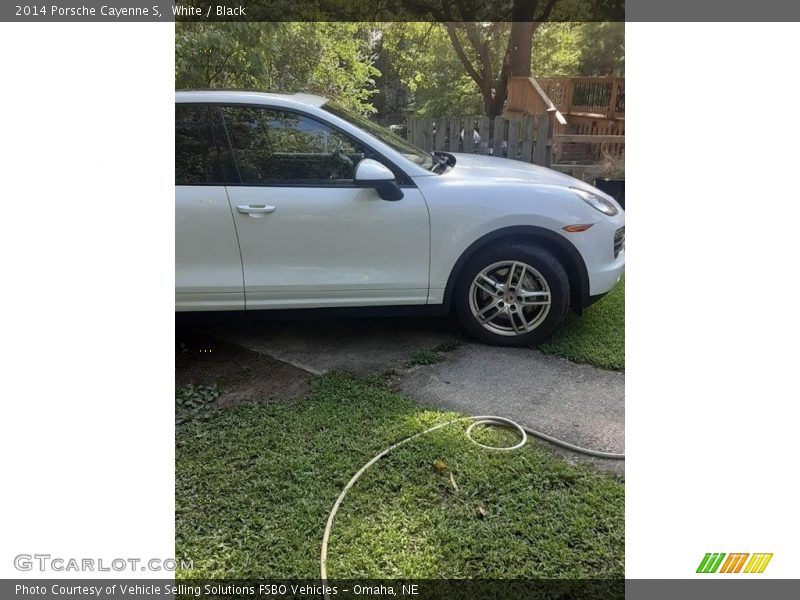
603,279
603,256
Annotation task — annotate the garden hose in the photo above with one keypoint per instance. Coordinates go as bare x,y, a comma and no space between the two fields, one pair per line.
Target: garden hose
476,422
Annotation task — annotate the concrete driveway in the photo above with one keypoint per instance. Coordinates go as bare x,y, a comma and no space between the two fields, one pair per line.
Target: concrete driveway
580,404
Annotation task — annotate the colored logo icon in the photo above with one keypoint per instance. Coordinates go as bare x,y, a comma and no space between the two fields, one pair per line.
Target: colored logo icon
717,562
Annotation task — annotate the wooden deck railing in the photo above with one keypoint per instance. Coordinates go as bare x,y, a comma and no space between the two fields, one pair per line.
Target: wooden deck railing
583,96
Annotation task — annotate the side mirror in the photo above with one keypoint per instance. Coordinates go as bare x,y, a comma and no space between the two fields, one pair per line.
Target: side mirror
370,173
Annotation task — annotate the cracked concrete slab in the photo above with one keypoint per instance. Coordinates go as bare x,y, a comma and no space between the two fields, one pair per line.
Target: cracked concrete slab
580,404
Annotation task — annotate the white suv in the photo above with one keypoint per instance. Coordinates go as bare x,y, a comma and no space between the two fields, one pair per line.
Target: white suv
289,201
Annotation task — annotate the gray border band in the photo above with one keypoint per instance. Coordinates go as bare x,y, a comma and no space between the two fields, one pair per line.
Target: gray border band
715,586
340,10
712,11
733,588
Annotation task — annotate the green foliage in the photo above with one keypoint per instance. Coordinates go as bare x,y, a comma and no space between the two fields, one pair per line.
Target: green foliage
578,49
556,50
419,66
334,60
220,55
194,402
421,55
331,59
254,485
603,49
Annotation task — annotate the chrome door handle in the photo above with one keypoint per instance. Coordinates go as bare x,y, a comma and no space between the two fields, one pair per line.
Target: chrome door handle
258,209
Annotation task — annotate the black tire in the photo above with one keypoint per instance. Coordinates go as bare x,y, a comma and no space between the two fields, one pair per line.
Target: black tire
547,265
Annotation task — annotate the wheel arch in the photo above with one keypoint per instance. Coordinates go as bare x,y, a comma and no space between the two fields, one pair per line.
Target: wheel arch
563,250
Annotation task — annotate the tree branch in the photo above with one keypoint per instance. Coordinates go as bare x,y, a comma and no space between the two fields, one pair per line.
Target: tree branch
482,49
462,56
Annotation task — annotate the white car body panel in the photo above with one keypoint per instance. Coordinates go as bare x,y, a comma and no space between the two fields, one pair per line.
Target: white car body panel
482,194
332,247
345,246
208,266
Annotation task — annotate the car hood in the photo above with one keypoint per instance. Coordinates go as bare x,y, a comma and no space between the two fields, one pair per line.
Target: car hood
475,166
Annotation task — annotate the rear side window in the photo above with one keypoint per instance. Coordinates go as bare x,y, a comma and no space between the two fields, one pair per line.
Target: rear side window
197,159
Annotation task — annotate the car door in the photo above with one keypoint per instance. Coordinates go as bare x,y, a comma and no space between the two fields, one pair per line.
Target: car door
208,265
309,236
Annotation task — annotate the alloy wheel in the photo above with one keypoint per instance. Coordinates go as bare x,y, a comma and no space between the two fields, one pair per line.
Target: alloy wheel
509,298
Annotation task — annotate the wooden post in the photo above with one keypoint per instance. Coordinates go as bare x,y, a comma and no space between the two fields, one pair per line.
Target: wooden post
513,138
544,131
441,134
541,133
528,133
498,135
568,90
612,107
454,135
469,128
483,131
427,134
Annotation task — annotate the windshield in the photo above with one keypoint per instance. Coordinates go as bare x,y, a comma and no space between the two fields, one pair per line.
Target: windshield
411,152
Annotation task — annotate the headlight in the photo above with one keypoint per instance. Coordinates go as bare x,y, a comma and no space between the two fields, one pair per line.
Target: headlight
596,202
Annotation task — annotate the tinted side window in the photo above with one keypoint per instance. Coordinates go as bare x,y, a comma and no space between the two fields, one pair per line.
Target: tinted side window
197,159
273,146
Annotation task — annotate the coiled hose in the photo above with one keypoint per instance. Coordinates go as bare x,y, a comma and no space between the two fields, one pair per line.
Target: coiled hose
476,422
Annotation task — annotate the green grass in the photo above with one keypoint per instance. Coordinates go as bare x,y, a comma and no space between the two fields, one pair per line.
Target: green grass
597,337
254,485
424,358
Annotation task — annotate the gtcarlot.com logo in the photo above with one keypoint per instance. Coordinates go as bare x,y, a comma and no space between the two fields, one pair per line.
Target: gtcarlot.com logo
47,562
734,563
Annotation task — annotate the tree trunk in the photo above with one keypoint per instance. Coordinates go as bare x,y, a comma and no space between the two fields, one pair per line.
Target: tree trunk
494,105
489,101
519,46
516,62
517,57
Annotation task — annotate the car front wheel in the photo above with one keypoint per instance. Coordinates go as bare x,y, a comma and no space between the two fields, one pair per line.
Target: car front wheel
512,295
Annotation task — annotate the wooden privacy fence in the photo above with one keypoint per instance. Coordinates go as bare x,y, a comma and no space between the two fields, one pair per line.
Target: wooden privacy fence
528,139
